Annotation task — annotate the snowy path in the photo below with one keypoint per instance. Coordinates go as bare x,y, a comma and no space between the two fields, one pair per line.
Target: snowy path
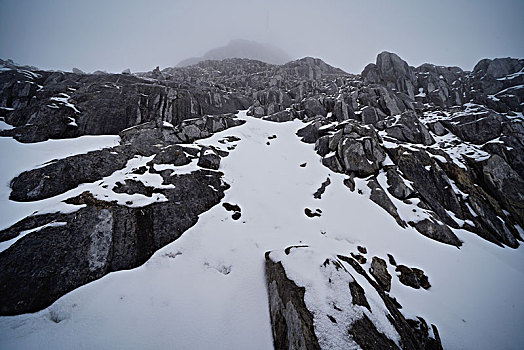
207,289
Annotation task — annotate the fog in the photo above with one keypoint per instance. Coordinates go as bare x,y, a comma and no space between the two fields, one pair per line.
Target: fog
115,35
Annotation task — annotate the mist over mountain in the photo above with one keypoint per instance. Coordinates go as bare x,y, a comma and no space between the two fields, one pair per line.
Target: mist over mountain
241,48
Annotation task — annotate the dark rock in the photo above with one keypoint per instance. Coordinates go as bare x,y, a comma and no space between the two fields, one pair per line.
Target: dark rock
291,321
505,185
391,71
361,259
429,180
397,186
208,159
133,186
409,129
349,183
231,207
311,213
436,231
408,277
320,191
380,272
362,156
333,163
392,260
358,296
410,339
236,215
413,277
279,117
362,249
65,174
97,239
379,196
366,335
475,128
171,155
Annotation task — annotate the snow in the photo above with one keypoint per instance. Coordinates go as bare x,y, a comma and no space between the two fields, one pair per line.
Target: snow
207,290
64,99
5,126
18,157
421,93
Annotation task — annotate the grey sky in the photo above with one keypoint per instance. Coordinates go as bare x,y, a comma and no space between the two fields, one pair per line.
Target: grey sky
114,35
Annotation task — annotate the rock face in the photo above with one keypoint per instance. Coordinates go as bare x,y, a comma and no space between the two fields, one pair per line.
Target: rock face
98,239
295,326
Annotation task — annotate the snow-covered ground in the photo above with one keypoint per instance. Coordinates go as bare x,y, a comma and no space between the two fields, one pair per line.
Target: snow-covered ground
207,289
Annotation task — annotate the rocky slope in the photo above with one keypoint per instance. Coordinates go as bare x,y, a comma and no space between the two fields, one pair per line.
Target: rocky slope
438,149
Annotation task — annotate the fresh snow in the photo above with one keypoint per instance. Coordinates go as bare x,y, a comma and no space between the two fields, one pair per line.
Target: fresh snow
207,289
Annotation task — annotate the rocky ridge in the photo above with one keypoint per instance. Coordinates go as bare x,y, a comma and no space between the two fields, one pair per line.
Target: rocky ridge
439,148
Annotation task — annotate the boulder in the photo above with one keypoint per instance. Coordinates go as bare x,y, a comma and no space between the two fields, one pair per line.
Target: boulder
208,159
476,128
380,272
408,128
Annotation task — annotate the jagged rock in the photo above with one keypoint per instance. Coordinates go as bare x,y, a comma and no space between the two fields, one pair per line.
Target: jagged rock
77,71
397,185
65,174
429,180
97,239
295,326
409,129
475,128
371,115
437,128
360,258
380,272
412,277
362,249
282,116
379,196
291,321
208,159
313,107
361,156
436,231
171,155
506,185
320,191
393,72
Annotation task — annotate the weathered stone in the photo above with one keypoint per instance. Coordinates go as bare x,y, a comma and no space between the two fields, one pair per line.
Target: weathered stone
380,272
291,321
397,185
409,129
436,231
97,239
475,128
379,196
208,159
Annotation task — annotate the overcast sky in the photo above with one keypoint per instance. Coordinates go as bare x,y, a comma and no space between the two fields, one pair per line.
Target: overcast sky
114,35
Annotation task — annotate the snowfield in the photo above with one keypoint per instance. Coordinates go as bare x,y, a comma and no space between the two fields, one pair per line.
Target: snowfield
207,289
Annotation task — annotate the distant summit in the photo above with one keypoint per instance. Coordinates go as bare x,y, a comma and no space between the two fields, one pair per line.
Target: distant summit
241,48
